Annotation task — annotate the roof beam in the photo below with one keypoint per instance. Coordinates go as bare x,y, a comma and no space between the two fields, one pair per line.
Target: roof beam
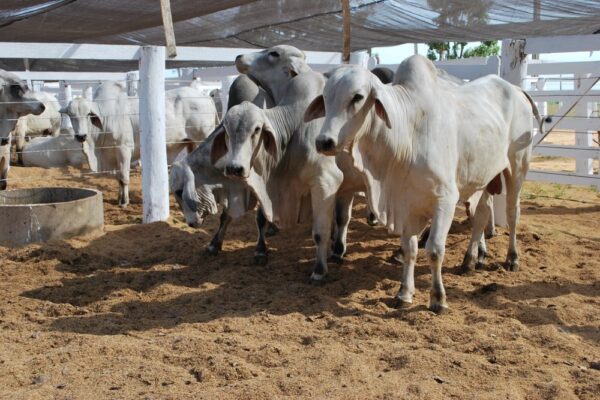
68,51
562,44
165,10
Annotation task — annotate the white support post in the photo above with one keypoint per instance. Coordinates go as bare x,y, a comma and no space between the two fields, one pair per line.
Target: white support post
584,166
513,68
155,174
225,85
132,83
360,58
65,95
37,86
88,93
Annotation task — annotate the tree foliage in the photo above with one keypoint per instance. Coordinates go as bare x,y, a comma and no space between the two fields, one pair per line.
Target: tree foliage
454,50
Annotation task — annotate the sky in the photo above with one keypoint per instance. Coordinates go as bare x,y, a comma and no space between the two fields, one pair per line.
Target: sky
395,54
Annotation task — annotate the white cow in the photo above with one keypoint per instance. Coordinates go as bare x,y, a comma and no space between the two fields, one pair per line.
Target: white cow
45,124
55,151
110,126
422,146
272,151
15,101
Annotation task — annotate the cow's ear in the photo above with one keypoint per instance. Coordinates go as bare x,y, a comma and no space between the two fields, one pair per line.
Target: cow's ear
380,110
297,66
96,121
316,109
268,139
219,145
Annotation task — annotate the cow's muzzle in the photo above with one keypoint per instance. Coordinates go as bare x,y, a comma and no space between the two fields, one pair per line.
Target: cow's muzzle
80,138
235,170
240,65
4,141
3,184
325,145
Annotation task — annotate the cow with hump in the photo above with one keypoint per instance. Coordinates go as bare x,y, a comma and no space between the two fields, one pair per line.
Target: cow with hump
422,146
15,101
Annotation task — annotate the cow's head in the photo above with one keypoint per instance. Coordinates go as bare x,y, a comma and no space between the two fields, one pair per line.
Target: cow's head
350,94
245,131
87,125
272,68
195,202
15,101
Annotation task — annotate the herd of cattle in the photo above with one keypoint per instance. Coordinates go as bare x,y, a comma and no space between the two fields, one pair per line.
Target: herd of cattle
297,145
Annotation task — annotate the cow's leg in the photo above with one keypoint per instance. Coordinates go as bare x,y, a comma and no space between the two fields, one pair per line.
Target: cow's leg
477,242
490,228
436,247
260,253
513,211
343,212
323,202
409,249
124,163
216,244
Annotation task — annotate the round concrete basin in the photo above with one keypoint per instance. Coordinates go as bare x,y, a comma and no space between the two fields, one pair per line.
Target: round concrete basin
40,214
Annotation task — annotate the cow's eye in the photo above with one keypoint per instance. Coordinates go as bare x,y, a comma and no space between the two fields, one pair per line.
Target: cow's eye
357,97
16,90
274,54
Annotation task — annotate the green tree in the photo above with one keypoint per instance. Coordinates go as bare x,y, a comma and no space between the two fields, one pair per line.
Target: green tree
454,50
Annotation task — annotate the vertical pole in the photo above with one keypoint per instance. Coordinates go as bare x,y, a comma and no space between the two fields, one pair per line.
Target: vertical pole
88,93
359,58
132,83
155,174
346,48
65,95
513,68
225,85
584,166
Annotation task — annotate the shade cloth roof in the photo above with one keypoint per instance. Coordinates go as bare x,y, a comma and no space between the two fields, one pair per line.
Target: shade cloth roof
309,25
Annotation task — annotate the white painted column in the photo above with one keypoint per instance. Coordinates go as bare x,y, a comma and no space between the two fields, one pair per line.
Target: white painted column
65,95
88,93
132,83
225,85
37,86
513,68
360,58
155,174
583,109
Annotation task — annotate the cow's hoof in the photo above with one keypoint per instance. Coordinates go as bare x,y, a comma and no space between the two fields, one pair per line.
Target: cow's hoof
336,258
372,220
397,257
272,230
212,250
439,308
512,266
490,234
261,259
317,279
479,265
400,304
123,205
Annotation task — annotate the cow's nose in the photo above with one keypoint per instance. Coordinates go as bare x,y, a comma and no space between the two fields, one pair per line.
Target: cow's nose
42,108
325,144
238,57
4,141
234,170
80,138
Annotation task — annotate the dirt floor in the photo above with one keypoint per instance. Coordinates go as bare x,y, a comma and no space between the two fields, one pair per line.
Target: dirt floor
142,312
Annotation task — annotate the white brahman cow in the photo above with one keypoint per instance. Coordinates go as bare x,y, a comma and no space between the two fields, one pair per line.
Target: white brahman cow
15,101
55,151
422,146
45,124
110,126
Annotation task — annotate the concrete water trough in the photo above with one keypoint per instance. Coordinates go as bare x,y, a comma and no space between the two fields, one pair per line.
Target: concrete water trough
41,214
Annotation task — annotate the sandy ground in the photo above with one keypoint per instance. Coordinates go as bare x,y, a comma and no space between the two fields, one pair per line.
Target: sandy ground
142,313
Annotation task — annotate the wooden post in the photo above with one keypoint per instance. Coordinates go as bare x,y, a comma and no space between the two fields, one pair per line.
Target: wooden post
155,175
346,31
167,18
65,95
513,68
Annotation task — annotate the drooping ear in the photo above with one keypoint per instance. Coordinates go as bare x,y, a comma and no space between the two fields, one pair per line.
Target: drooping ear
316,109
219,145
268,139
297,66
95,120
380,109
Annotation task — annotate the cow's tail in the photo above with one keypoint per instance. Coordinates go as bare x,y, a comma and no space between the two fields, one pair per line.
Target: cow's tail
536,113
